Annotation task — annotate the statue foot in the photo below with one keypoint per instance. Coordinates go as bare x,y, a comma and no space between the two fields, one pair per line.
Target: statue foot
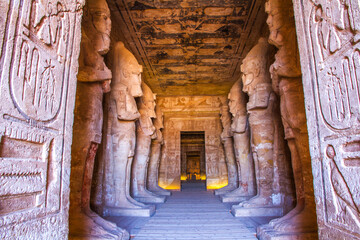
87,227
304,221
107,225
127,203
257,201
237,192
298,208
145,194
224,190
133,201
160,190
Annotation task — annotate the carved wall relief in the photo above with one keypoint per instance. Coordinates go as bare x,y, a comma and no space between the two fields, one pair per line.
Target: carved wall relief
334,31
331,68
38,61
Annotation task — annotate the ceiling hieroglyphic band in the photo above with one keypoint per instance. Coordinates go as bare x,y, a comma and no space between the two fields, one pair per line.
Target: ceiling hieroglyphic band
189,47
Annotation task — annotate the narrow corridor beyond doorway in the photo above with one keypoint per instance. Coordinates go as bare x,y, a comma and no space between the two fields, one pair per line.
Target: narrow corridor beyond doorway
194,213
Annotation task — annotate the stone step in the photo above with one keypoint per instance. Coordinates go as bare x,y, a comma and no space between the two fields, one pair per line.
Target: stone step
194,213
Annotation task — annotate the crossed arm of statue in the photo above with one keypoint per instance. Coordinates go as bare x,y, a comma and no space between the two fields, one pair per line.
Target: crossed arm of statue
125,105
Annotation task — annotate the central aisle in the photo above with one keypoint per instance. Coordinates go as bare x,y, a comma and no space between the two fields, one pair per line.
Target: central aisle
194,213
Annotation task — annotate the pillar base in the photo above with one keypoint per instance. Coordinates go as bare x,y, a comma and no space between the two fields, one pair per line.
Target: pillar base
267,232
239,211
226,199
147,211
158,199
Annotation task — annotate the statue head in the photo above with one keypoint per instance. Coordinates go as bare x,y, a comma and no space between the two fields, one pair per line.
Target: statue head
126,70
159,121
280,19
283,35
255,66
97,24
237,100
147,101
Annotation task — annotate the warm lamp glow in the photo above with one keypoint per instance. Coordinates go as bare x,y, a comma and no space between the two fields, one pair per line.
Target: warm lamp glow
216,186
170,187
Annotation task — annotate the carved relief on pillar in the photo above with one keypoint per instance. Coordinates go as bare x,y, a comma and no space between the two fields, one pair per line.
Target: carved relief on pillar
228,144
121,137
271,167
243,155
155,155
286,77
145,132
40,44
330,32
93,80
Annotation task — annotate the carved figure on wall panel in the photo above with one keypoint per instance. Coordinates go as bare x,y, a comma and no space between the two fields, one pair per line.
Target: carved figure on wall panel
228,143
93,80
38,82
155,155
123,112
145,132
286,77
329,31
262,108
241,135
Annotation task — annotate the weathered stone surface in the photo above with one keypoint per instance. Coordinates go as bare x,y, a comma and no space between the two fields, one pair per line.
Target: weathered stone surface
155,155
241,134
267,144
93,80
40,43
286,80
328,35
191,114
145,131
123,112
227,140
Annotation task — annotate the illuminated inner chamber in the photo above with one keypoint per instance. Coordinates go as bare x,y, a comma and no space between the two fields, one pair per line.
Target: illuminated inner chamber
193,156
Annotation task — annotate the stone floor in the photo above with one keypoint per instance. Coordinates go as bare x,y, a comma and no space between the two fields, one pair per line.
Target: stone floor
193,213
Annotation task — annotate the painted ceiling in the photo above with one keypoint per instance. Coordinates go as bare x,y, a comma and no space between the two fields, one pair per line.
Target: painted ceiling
188,47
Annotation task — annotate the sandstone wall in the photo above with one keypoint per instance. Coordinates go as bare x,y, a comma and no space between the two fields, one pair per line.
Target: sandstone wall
328,35
39,51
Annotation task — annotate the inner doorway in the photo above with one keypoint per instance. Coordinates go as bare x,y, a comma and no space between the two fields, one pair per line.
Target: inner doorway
193,166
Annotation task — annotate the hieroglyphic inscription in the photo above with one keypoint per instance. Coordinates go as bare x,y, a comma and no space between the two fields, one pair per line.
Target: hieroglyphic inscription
38,61
335,38
36,81
329,40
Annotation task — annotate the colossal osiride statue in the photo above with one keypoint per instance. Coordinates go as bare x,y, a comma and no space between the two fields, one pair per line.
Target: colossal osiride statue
241,135
267,142
126,85
155,156
145,131
228,143
93,80
286,76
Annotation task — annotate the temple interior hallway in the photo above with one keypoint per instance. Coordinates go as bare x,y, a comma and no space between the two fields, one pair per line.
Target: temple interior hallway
192,213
